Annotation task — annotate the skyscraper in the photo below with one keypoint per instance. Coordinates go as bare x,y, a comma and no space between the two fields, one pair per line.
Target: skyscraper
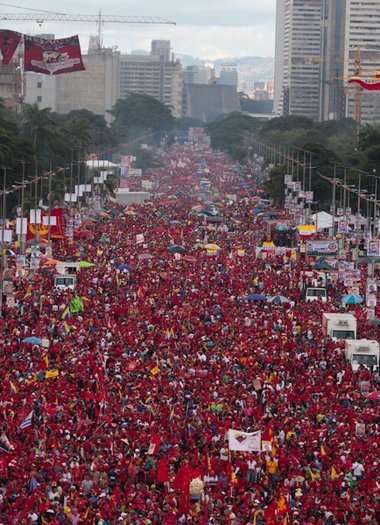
299,47
319,45
362,56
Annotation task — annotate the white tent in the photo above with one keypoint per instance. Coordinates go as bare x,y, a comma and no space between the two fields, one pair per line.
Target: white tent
322,220
97,163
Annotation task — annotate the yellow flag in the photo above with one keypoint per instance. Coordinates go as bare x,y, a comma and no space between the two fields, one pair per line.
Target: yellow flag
51,373
323,451
333,474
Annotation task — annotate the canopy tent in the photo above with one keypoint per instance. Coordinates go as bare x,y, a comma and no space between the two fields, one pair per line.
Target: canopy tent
98,163
322,220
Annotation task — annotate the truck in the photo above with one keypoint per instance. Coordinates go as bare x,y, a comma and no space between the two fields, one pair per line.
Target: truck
314,293
362,352
339,326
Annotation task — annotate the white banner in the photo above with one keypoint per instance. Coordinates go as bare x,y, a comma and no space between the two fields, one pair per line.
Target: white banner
21,226
244,441
49,221
322,247
35,216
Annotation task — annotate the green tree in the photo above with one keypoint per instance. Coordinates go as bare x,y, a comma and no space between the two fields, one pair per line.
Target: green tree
142,117
78,134
39,126
229,133
369,136
254,106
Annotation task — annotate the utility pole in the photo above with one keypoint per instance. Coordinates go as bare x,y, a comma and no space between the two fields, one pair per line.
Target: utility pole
2,258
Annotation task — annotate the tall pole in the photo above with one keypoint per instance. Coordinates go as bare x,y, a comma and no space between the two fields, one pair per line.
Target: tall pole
78,201
375,212
2,259
22,237
49,204
71,179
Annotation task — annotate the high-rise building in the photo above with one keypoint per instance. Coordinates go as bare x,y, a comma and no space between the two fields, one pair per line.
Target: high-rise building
298,57
228,75
319,45
157,75
362,55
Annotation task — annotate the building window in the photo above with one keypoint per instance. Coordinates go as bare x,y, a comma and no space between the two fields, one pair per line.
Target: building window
39,98
39,84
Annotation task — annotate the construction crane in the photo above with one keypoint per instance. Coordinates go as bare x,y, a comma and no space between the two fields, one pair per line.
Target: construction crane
45,16
358,58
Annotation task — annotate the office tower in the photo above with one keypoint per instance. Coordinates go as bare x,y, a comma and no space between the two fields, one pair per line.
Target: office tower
228,75
153,75
362,57
298,63
320,44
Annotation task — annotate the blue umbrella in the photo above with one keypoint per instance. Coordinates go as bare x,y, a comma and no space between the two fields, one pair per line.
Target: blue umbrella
32,340
255,297
352,299
125,266
278,299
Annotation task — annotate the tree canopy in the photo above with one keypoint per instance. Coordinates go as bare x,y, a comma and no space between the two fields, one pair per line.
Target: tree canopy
139,115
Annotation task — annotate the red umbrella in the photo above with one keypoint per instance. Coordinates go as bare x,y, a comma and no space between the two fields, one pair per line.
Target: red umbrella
374,396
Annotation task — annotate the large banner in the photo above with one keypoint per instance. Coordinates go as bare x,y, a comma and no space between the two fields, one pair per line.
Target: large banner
9,41
52,57
244,441
326,247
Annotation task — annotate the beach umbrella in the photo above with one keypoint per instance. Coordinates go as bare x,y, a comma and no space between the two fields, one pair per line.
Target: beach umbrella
176,248
86,264
278,299
125,266
255,297
215,220
211,247
281,228
51,262
352,299
374,396
323,265
32,340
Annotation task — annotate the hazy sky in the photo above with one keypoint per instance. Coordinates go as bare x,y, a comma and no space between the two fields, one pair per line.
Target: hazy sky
207,29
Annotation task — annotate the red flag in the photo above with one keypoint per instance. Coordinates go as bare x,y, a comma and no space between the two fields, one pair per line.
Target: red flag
57,230
371,84
163,470
51,56
154,444
9,41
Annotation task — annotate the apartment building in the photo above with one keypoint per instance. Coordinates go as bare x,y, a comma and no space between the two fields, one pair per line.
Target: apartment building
158,75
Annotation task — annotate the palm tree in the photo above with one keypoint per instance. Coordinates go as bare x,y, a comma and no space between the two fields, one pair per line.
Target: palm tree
369,136
79,133
39,125
5,146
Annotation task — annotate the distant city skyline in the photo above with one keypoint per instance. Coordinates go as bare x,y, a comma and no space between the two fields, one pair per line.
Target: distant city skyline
208,29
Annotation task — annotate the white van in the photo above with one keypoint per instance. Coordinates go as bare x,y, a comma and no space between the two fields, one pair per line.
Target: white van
314,294
65,282
362,352
339,326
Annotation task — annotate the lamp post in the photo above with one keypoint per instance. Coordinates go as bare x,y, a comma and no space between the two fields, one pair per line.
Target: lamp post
2,258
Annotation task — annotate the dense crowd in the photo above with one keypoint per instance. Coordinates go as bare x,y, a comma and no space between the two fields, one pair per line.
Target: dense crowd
157,353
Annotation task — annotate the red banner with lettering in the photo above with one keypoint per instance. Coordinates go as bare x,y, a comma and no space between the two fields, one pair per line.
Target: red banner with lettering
52,56
9,41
